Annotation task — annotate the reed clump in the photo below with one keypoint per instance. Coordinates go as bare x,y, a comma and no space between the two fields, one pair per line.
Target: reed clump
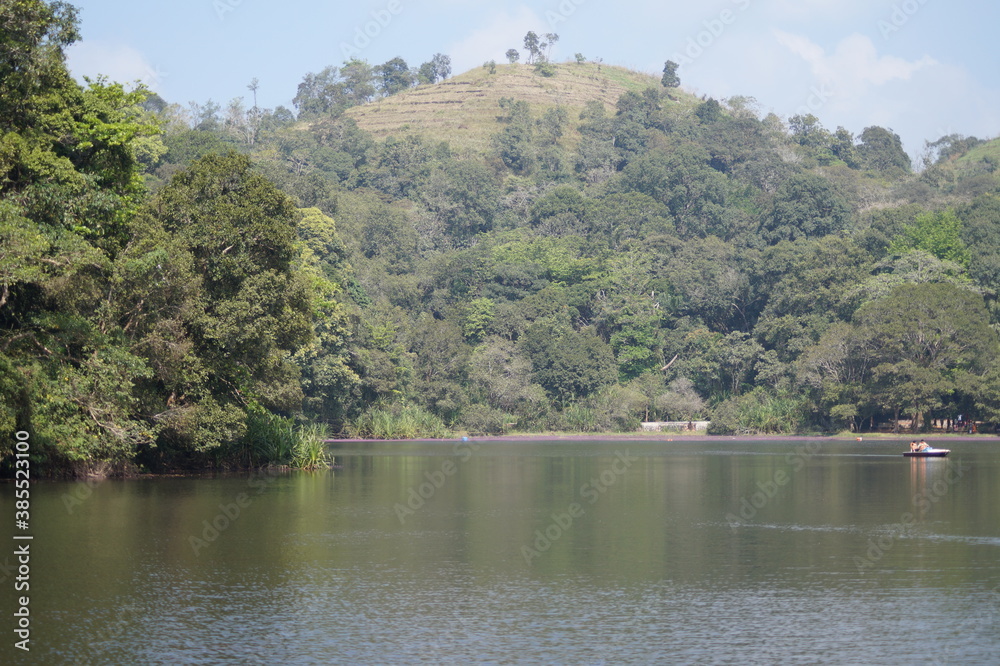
398,422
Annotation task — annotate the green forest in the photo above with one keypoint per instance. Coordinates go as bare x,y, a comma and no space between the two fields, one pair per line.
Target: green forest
194,286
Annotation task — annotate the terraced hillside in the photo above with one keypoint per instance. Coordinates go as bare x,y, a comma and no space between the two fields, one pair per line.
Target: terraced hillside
463,110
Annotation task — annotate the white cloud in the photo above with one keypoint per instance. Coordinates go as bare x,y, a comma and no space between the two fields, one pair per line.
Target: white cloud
118,62
853,68
504,31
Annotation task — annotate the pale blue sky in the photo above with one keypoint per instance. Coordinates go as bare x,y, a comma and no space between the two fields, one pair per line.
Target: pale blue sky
923,68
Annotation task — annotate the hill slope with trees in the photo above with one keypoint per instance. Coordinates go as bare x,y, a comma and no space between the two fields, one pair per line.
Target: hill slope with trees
569,247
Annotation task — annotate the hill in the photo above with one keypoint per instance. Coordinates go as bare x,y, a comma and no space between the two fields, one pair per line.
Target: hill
463,109
985,156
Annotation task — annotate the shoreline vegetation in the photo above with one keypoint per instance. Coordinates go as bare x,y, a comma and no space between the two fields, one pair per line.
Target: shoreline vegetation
689,437
570,248
308,449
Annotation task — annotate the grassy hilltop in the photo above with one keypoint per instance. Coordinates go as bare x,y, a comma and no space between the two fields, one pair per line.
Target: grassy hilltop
463,110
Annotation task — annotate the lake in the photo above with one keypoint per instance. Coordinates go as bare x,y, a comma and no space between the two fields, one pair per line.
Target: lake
712,550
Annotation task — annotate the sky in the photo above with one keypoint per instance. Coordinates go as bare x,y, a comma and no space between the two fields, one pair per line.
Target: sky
922,68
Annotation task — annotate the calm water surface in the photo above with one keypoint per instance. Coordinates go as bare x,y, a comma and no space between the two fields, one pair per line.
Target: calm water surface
714,551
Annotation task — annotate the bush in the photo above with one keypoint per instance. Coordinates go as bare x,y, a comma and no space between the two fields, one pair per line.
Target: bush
759,412
398,422
310,447
545,68
482,419
275,440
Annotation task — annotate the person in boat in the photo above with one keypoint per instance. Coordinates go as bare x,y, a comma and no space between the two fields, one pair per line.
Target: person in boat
922,446
913,445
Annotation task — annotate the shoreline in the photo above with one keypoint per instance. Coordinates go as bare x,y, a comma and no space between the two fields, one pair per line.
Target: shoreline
638,437
682,437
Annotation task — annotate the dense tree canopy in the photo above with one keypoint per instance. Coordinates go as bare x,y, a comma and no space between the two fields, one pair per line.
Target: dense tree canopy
175,281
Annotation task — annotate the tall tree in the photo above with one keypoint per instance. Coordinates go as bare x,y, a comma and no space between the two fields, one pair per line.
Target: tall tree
925,343
217,247
69,184
882,151
939,234
533,46
394,76
670,78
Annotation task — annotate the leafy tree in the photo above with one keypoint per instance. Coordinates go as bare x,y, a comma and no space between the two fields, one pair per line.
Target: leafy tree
319,93
479,317
597,157
359,80
440,359
69,183
709,111
32,60
681,401
923,344
394,76
438,68
465,194
533,46
806,206
514,143
911,267
398,166
502,375
334,89
982,238
568,364
939,234
670,78
683,181
711,280
835,371
442,66
512,56
948,148
810,284
808,131
842,145
550,39
329,383
236,304
552,125
882,151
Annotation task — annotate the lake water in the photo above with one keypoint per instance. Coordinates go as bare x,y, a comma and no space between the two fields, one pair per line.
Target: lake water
575,552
